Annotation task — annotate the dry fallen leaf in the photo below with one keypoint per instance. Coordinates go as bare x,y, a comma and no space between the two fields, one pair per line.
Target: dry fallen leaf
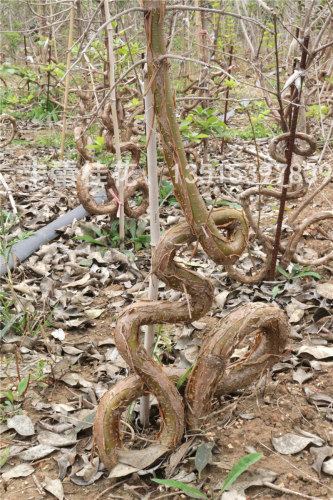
317,351
301,376
325,290
320,454
22,424
54,486
289,444
36,452
58,440
21,470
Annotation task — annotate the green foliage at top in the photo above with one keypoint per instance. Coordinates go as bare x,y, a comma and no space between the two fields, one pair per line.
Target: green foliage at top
38,105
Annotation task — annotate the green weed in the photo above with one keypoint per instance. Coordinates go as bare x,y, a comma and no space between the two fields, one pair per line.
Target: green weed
242,465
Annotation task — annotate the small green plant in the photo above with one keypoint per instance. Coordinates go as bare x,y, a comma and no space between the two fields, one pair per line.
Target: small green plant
11,403
201,124
14,316
296,273
137,237
53,138
316,111
242,465
98,145
8,408
166,194
163,342
260,127
134,235
8,222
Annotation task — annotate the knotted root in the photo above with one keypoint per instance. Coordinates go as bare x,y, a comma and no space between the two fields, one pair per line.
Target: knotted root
291,247
81,143
287,247
8,128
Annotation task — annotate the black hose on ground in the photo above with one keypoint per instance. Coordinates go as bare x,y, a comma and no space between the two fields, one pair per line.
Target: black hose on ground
23,249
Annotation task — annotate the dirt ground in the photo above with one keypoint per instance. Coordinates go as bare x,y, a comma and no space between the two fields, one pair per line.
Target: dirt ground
238,424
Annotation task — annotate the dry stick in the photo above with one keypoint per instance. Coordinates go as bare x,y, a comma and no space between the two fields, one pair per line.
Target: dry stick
53,38
258,180
310,198
8,191
115,485
154,226
69,53
49,73
326,142
289,155
227,97
277,68
303,473
121,177
288,491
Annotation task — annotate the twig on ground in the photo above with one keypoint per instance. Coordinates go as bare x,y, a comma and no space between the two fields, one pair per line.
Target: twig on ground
287,490
8,191
109,489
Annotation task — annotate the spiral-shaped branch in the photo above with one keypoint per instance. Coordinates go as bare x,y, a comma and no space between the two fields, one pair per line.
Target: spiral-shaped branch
8,129
267,322
281,157
111,207
223,235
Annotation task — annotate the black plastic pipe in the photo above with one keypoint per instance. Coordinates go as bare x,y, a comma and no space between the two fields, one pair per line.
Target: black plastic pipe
23,249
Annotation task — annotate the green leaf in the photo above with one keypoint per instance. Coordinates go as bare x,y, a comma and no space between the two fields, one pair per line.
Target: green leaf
242,465
203,456
87,237
282,271
132,228
86,423
15,318
229,204
4,454
184,377
129,253
22,386
275,291
9,395
182,486
307,273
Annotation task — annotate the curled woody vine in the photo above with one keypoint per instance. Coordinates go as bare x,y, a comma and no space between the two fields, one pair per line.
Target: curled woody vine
212,373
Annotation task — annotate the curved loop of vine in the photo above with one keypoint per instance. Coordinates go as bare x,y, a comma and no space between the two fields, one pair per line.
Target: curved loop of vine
281,158
111,207
287,247
211,374
6,121
267,322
